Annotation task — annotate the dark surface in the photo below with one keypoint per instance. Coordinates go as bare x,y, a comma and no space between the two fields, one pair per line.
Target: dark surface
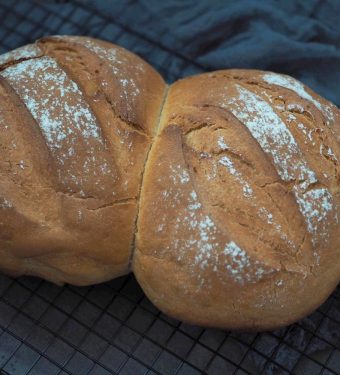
113,328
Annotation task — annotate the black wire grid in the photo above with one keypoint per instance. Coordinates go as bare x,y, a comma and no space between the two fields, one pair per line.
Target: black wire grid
112,328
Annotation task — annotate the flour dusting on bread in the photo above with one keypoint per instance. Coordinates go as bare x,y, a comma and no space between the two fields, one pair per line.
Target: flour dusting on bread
64,117
296,86
227,162
276,140
241,267
25,52
209,250
248,192
5,203
118,63
46,71
315,205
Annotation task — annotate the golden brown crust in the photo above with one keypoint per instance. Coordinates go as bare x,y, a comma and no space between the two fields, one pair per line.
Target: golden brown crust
70,186
231,231
230,219
110,72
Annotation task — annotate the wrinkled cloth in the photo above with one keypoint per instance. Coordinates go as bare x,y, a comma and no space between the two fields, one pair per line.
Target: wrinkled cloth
300,38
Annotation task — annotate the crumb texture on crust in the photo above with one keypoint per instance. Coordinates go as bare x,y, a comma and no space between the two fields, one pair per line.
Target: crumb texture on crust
244,182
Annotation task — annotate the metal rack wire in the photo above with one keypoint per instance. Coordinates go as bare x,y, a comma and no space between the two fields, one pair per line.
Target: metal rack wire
112,328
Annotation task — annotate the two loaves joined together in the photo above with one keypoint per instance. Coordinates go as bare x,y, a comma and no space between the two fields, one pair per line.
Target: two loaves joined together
220,192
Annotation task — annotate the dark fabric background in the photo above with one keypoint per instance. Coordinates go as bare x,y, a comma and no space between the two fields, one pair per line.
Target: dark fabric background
297,37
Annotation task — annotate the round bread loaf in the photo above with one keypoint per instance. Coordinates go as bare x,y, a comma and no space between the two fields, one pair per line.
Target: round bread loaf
77,117
238,224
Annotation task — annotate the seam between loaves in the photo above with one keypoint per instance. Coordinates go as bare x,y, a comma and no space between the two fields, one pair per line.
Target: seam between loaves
157,128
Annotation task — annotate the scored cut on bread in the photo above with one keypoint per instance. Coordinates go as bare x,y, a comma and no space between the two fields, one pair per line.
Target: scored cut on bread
77,124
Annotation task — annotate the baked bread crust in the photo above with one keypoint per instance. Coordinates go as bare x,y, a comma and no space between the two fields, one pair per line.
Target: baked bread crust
221,194
238,222
77,121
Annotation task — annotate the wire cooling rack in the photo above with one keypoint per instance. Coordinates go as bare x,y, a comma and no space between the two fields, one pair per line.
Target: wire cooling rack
112,328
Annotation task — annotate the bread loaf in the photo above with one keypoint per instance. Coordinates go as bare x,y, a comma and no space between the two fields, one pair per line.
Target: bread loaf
77,119
243,179
221,193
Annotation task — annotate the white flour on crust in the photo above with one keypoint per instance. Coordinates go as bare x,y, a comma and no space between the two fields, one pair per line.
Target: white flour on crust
276,140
